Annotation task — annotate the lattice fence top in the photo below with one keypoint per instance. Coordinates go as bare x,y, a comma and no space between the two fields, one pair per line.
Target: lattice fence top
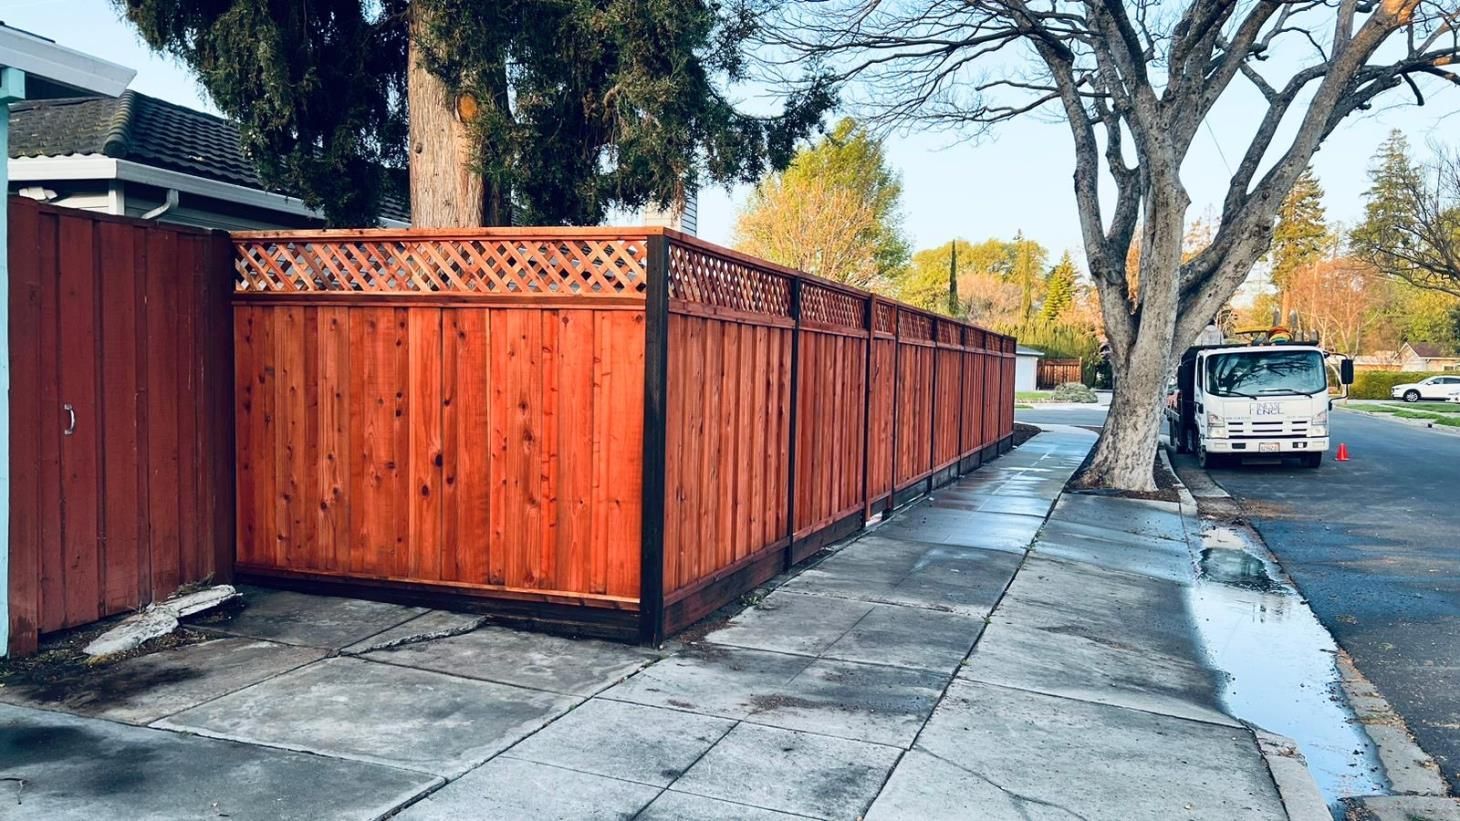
973,337
884,318
949,333
598,267
915,326
698,276
822,304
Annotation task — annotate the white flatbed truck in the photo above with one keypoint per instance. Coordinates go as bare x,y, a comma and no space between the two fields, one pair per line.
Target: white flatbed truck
1270,400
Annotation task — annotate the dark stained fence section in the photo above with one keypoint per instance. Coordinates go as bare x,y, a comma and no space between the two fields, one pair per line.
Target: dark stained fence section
121,415
1054,372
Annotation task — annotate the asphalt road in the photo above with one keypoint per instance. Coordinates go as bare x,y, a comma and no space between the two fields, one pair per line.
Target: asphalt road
1374,544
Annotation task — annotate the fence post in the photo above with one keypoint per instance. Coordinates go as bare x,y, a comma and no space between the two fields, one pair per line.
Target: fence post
656,380
794,400
896,404
933,411
867,410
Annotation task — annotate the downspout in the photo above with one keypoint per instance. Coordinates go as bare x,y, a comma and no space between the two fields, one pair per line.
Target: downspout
166,206
12,88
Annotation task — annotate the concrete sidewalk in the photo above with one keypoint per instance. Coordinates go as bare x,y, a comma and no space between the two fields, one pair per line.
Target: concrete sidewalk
936,667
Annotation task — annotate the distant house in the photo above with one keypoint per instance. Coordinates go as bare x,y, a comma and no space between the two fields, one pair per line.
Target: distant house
1378,361
1423,356
1411,356
139,156
1026,368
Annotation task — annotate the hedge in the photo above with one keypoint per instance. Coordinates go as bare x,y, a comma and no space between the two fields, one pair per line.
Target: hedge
1376,384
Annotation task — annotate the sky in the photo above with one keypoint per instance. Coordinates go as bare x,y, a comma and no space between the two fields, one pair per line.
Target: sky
1017,178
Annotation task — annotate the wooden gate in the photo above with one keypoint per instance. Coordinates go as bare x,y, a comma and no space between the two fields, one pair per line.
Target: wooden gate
121,415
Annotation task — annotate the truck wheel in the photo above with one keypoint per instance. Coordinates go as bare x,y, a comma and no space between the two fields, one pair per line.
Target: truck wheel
1206,459
1312,460
1411,396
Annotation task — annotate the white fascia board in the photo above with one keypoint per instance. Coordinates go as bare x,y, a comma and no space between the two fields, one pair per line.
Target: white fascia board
56,63
98,167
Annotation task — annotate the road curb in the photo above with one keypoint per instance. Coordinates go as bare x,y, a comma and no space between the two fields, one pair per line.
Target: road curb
1448,430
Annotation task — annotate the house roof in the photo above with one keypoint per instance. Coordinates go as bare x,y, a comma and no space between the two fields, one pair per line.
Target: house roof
146,130
1429,350
1023,351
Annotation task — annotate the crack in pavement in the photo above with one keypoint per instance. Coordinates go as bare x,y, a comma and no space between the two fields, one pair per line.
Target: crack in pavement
1019,798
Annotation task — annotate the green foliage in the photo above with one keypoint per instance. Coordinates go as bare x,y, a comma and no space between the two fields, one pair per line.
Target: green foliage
1388,208
1074,392
585,105
1301,236
998,281
1059,289
1026,262
1376,384
846,170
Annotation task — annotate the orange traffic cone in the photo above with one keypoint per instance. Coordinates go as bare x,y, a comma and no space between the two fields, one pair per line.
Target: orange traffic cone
1342,453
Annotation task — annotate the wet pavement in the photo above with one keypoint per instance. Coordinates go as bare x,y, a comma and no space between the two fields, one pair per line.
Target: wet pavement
1372,544
940,666
1278,662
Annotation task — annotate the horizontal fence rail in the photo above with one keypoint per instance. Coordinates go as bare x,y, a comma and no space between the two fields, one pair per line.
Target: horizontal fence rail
622,429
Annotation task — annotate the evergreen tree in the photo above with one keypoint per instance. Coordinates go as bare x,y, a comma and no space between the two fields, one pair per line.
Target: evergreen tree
1301,236
835,211
1026,261
1059,290
541,111
1388,207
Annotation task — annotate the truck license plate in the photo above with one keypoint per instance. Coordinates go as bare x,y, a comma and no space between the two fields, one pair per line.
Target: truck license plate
1268,447
1266,409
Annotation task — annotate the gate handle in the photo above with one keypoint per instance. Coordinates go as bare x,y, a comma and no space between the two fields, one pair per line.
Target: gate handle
70,412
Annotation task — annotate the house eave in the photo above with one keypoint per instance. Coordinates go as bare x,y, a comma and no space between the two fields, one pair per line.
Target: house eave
42,58
99,167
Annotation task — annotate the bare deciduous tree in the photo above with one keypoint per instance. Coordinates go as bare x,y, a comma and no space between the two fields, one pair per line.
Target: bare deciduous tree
1421,242
1136,82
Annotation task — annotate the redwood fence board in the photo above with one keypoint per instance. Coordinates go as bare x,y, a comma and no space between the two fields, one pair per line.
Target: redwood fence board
619,428
126,323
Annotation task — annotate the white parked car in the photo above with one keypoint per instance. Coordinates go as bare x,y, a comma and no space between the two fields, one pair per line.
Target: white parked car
1436,387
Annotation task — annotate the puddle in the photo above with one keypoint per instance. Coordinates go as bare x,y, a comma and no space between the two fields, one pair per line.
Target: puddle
1279,663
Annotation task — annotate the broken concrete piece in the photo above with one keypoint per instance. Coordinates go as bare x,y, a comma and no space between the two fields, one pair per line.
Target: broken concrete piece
157,620
200,600
149,624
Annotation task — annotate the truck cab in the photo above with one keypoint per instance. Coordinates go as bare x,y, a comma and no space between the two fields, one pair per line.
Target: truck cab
1258,400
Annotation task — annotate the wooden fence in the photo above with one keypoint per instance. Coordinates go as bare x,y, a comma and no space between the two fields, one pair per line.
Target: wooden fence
121,443
1055,372
621,429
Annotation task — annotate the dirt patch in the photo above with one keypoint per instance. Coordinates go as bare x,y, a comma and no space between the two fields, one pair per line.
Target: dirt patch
60,662
1165,491
761,703
1240,512
1023,433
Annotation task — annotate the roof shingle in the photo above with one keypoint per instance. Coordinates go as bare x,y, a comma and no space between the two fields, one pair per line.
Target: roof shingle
146,130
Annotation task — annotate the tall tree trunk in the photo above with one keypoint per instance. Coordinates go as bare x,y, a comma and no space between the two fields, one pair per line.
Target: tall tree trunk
446,190
1125,456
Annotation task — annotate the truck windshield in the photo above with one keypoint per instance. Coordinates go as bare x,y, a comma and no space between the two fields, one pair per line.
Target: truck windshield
1266,373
